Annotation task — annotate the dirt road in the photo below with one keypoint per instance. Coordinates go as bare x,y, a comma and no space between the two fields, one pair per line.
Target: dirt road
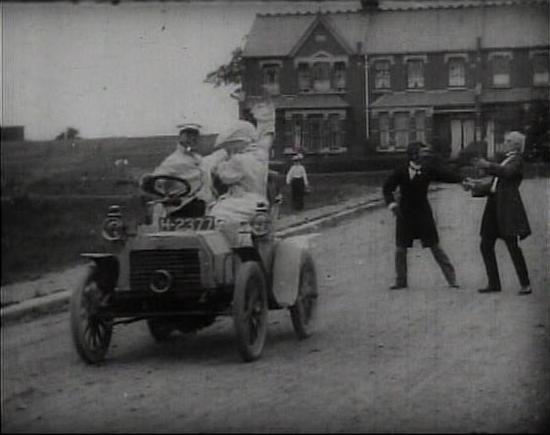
424,359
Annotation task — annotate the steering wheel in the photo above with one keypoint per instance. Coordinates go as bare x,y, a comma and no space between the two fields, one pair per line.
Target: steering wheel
167,186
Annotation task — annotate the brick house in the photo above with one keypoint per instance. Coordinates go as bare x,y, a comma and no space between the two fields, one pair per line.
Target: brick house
366,82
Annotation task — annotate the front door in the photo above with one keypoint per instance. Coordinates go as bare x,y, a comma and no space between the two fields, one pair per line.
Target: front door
462,134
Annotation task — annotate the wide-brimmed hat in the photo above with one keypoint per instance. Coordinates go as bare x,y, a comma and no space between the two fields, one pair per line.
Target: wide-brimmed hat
298,156
240,131
189,126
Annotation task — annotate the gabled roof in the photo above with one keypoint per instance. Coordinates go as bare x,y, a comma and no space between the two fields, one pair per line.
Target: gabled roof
275,35
415,26
321,20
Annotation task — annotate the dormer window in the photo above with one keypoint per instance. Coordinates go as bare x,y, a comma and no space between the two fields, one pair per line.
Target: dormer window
304,77
500,64
457,72
339,76
382,75
271,73
415,74
321,76
540,69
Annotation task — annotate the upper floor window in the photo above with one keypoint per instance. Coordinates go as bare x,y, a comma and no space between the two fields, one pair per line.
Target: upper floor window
304,77
339,76
382,76
540,69
415,74
321,76
271,72
457,72
501,70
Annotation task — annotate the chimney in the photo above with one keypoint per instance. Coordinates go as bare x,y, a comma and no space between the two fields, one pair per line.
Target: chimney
370,5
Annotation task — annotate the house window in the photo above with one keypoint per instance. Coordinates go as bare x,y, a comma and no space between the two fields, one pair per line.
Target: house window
321,76
384,126
297,132
401,130
457,72
339,76
335,132
382,75
415,74
501,71
420,126
314,133
540,69
304,77
271,78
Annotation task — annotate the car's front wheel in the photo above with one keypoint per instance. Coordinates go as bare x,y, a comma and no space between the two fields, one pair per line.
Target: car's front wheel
91,328
250,310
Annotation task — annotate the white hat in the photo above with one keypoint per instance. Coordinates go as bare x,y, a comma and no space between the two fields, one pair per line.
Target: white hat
239,131
189,126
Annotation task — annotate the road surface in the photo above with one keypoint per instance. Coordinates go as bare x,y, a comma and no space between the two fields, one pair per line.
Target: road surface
425,359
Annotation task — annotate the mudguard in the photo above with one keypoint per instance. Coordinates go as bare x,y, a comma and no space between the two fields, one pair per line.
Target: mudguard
107,268
289,255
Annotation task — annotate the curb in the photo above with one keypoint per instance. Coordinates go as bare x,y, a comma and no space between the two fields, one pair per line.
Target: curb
59,300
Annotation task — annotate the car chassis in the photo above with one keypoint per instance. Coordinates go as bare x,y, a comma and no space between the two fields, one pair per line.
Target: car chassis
181,274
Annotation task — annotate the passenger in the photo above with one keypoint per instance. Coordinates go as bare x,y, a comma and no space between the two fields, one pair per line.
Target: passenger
244,171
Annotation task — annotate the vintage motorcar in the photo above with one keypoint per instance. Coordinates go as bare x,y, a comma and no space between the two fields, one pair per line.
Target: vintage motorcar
180,270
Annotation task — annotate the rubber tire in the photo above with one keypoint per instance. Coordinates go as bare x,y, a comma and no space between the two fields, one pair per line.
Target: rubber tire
304,317
250,280
84,300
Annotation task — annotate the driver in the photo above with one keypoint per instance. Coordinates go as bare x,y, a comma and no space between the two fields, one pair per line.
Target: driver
186,163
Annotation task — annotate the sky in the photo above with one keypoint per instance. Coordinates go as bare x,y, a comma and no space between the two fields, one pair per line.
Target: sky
127,70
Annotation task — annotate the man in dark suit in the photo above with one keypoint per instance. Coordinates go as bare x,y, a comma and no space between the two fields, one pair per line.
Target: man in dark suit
413,212
504,216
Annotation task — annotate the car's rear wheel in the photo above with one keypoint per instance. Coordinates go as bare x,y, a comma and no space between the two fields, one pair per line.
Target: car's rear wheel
250,310
304,312
91,328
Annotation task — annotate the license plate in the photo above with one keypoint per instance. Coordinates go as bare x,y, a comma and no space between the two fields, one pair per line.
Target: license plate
186,224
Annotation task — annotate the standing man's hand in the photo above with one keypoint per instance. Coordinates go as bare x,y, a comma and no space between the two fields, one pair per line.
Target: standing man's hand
395,209
481,163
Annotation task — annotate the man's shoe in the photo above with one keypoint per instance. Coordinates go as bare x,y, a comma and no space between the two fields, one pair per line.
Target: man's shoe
398,286
488,290
525,290
454,285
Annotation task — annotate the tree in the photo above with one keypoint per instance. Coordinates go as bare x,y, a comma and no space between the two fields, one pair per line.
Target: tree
229,73
69,134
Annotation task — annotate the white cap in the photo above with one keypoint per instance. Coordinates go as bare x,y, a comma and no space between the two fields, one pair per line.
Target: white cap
239,131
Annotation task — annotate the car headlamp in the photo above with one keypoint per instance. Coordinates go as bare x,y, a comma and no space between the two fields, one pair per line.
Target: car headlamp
260,224
113,225
113,229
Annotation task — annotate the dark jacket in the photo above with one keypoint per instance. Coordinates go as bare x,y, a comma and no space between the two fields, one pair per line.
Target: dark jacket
504,214
415,220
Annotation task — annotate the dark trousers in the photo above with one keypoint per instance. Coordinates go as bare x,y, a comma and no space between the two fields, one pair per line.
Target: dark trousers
488,252
440,257
298,188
